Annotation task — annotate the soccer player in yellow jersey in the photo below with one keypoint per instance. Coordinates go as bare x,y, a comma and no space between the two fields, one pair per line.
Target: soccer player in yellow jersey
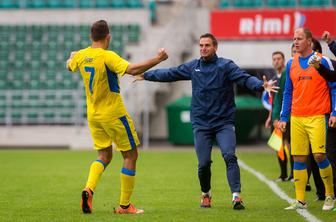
108,119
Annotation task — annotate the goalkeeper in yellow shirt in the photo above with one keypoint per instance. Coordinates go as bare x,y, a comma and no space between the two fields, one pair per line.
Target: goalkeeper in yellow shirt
108,119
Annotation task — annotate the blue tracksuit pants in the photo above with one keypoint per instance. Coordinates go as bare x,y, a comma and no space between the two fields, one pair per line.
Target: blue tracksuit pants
226,139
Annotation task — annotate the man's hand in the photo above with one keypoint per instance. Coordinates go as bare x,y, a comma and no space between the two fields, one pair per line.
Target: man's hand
282,126
73,53
326,37
332,121
276,123
270,86
314,61
162,54
139,77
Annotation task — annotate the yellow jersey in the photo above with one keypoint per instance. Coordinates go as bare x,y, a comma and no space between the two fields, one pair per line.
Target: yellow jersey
100,70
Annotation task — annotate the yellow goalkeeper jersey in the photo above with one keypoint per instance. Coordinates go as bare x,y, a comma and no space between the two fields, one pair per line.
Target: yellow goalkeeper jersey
100,70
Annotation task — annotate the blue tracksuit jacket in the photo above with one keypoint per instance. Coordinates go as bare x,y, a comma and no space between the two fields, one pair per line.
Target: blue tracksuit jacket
212,102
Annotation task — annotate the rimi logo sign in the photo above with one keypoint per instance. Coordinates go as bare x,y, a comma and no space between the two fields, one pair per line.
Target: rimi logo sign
270,24
260,25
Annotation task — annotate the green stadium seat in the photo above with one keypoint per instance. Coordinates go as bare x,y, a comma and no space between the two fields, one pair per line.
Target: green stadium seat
70,3
224,4
3,104
103,3
8,4
19,65
35,85
17,84
17,104
34,75
66,115
3,65
86,4
49,116
32,116
18,75
3,75
55,4
272,3
51,84
37,4
292,3
118,4
238,3
320,3
33,97
3,84
16,116
19,55
305,3
133,32
134,4
2,116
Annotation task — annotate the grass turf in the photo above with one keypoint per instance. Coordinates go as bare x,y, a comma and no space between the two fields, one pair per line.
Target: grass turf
46,186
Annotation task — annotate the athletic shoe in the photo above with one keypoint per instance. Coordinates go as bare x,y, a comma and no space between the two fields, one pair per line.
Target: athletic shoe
86,202
205,201
329,203
280,179
130,210
297,205
290,178
238,204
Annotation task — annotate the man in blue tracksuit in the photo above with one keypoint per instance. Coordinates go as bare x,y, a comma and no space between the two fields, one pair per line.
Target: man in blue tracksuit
212,110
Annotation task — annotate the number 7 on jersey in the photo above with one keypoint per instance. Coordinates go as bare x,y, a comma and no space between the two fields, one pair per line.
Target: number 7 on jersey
91,70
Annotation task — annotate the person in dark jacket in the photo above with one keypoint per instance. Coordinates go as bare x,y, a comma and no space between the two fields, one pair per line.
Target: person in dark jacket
213,110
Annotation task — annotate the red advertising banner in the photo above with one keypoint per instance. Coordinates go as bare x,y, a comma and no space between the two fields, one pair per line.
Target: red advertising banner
270,24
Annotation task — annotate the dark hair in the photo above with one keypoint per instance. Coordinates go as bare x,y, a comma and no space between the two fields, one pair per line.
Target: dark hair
99,30
210,36
278,53
316,45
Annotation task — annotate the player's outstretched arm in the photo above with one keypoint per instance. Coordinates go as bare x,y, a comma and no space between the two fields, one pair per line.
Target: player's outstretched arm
141,67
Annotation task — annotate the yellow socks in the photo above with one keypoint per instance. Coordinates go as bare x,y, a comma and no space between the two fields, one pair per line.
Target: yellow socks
327,177
127,178
96,169
300,180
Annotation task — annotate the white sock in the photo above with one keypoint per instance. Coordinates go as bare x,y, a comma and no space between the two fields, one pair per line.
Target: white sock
235,194
207,193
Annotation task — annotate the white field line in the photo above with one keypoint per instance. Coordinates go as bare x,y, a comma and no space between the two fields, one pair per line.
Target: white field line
274,187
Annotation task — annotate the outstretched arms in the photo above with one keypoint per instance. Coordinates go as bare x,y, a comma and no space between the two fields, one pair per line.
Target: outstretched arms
141,67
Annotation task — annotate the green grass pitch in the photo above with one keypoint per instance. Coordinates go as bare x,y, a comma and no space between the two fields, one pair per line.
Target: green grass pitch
46,186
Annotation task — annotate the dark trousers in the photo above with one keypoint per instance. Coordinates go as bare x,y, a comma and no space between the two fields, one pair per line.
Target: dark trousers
226,139
331,151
